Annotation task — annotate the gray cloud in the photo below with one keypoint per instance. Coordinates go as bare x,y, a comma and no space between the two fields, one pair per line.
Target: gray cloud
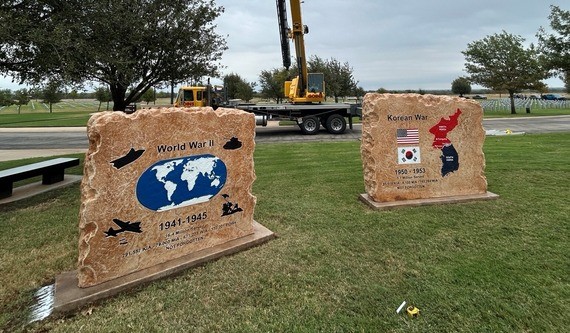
395,45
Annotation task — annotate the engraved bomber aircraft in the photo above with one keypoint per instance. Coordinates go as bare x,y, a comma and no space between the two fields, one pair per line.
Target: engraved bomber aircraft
124,226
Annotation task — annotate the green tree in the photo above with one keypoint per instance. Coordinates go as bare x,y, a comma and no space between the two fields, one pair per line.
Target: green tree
501,62
271,83
103,95
359,92
73,94
237,87
6,97
21,97
339,77
129,46
246,90
231,83
555,47
149,96
35,92
52,94
461,86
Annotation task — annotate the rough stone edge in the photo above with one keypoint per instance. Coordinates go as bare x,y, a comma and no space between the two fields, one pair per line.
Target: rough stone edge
89,193
30,190
69,297
425,202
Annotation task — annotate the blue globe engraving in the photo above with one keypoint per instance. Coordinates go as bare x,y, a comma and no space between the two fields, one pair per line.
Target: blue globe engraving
180,182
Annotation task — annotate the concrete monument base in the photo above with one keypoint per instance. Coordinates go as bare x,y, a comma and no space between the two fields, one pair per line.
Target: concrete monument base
68,296
424,202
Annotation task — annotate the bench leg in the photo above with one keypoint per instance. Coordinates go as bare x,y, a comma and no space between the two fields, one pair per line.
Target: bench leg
6,189
52,177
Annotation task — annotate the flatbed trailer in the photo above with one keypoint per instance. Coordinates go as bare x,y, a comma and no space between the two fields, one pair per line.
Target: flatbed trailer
309,117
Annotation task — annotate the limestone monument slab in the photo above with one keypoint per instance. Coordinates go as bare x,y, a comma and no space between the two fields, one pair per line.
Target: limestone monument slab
422,147
160,184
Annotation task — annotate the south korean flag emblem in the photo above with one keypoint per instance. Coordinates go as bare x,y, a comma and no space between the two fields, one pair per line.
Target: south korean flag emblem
409,155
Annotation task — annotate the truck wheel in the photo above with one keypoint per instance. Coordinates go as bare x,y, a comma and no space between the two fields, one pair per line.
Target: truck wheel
310,125
336,124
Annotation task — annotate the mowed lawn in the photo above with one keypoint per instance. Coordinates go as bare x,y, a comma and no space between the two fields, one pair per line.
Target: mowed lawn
65,113
336,266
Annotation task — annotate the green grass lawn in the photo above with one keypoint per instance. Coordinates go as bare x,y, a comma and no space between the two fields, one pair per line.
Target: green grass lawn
336,266
37,114
66,113
55,119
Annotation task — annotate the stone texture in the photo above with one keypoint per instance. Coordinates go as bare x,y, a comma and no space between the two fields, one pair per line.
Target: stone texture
422,146
160,184
68,296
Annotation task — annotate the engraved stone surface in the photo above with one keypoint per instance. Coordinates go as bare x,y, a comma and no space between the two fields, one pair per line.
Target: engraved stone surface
422,146
160,184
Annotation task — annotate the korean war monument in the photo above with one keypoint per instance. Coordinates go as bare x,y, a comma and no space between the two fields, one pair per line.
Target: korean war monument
422,149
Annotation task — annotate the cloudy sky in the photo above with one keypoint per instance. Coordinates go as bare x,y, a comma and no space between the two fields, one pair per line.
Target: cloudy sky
406,44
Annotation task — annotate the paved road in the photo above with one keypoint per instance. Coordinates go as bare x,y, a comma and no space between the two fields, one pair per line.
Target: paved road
530,124
20,143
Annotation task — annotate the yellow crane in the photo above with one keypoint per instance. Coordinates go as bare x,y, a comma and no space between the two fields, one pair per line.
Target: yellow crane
305,87
305,92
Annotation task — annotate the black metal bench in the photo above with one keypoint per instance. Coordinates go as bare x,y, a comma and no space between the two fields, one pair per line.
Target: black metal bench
52,171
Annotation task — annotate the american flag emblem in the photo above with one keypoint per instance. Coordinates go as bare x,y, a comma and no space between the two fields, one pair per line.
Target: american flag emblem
408,136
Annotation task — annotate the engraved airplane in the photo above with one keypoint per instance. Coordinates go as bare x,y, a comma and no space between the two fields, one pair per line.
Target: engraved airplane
124,226
129,158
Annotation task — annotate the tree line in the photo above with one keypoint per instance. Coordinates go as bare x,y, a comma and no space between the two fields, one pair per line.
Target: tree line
502,63
133,48
48,94
129,47
51,94
339,80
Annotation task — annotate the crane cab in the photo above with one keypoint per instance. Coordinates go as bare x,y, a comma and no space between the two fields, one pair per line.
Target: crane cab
191,96
313,93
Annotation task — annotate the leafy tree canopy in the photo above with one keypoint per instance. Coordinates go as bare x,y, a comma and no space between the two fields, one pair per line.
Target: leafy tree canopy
461,86
339,77
272,83
103,95
501,62
129,45
21,97
149,96
52,94
73,94
237,87
359,92
6,97
555,47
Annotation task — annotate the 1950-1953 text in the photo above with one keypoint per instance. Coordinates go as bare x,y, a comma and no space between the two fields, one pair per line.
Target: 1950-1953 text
412,171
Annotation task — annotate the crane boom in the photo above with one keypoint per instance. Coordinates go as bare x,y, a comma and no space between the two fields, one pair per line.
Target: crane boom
284,33
297,34
306,87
